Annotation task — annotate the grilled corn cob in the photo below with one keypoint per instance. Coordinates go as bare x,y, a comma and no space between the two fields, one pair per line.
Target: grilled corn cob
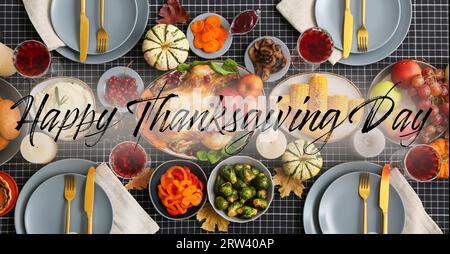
360,114
298,94
318,91
339,102
284,103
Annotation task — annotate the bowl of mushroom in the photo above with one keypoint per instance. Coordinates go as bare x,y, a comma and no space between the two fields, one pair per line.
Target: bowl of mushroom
268,57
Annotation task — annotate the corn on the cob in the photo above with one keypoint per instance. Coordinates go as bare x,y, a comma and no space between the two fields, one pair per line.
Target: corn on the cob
318,91
339,102
284,103
298,94
360,114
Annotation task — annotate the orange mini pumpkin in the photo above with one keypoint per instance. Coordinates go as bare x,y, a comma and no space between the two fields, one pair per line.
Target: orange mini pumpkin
441,146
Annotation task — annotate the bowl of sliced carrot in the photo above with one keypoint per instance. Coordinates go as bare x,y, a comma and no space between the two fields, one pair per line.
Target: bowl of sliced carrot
178,189
209,35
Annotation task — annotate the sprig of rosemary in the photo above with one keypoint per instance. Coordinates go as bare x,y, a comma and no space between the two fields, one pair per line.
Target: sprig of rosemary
59,100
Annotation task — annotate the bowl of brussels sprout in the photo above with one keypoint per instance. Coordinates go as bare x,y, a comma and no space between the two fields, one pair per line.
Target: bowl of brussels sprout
240,189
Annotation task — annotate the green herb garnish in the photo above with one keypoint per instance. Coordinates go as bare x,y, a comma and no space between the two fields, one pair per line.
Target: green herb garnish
183,67
229,66
214,156
202,155
59,100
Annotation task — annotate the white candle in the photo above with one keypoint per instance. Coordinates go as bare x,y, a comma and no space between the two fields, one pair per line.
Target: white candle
271,144
6,61
43,151
368,145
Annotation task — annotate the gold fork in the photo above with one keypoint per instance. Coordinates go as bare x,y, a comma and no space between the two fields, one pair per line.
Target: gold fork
69,195
363,34
364,192
102,35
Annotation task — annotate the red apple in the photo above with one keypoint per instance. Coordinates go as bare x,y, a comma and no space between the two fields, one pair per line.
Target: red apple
408,132
228,91
250,85
231,97
403,71
233,100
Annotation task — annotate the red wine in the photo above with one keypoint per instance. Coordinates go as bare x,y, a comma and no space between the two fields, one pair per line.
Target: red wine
422,163
315,45
32,59
128,159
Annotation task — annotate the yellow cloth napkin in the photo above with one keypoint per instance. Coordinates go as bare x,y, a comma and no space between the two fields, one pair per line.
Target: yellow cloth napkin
300,14
129,217
417,219
39,14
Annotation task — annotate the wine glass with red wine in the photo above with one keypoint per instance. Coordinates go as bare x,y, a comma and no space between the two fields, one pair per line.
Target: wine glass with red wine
314,46
32,59
420,163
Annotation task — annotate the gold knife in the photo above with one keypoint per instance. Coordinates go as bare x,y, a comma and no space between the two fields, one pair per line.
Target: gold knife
348,30
384,196
89,198
84,31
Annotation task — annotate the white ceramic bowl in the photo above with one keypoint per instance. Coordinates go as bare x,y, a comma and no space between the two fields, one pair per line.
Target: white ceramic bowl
51,81
231,161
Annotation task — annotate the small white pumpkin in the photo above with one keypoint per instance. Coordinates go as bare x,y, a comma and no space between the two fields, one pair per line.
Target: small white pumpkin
302,160
165,47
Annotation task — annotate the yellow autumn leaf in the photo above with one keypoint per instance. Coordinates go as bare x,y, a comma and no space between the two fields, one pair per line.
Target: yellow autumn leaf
211,219
140,182
287,184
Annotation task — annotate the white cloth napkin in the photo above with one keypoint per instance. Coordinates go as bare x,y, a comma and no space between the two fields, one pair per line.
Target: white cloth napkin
39,14
417,219
300,14
129,217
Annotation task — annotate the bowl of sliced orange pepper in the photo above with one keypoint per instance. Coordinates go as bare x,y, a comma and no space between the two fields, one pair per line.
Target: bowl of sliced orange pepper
178,189
209,35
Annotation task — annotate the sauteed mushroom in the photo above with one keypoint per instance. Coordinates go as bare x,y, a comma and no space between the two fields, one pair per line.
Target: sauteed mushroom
267,57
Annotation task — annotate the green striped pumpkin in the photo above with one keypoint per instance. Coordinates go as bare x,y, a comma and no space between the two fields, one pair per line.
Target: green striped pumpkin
301,163
165,46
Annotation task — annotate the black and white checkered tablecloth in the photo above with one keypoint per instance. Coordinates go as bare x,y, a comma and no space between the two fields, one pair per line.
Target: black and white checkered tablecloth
427,39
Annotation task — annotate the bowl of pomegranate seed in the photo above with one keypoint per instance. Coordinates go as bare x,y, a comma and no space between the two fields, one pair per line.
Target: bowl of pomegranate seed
118,86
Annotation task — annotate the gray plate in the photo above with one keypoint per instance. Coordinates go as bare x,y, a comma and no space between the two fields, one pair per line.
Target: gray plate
120,20
330,16
226,46
7,91
390,46
46,209
274,76
312,202
69,166
341,208
139,29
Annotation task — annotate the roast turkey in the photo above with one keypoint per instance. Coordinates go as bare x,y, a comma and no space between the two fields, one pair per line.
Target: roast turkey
191,89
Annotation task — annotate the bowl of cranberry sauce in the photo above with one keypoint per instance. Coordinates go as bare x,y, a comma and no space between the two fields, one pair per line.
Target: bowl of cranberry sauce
118,86
245,22
32,59
128,159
